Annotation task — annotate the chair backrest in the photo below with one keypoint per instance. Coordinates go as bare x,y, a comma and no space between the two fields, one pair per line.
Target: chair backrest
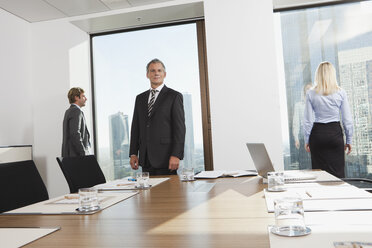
21,185
81,172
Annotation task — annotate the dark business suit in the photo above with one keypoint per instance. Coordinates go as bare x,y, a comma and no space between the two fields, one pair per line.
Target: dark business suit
75,133
160,135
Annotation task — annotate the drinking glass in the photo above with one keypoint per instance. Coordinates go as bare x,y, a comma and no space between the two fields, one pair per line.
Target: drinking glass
88,199
143,180
187,174
289,217
275,181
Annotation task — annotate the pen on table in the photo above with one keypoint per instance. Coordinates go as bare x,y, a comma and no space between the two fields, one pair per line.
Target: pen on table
308,194
124,184
132,179
71,197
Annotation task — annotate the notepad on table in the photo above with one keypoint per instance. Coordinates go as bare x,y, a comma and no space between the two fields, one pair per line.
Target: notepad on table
224,173
296,175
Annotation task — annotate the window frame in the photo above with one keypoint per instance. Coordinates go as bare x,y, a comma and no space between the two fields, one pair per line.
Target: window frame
203,78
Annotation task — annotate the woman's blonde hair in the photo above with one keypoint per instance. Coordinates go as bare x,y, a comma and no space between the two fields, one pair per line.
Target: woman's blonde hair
325,79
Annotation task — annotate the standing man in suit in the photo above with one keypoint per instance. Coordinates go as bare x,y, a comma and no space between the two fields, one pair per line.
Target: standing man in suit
158,126
75,132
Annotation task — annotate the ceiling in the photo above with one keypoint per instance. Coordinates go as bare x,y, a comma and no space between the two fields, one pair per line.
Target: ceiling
142,18
43,10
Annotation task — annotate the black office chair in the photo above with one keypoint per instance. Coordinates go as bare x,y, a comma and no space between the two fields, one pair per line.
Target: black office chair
21,185
81,172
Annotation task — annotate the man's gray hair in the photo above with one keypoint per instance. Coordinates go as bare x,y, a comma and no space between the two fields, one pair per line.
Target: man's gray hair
153,62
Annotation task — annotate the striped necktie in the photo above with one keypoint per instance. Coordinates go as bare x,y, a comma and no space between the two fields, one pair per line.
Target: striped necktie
151,102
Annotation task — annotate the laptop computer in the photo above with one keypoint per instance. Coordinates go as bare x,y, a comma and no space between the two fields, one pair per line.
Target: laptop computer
263,164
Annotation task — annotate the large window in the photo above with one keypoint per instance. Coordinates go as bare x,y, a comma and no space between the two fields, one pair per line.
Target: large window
341,34
119,67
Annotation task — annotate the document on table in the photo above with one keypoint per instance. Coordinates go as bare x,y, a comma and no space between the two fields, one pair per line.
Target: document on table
120,184
319,177
338,204
328,228
337,192
325,198
224,173
125,184
74,199
20,236
324,236
63,205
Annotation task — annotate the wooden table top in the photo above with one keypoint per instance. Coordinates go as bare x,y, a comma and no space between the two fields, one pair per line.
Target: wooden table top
224,212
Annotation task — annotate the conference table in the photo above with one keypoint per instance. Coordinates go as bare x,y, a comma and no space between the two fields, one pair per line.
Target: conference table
223,212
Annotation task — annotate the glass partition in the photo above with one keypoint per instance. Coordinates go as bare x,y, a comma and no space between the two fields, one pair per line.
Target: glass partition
341,34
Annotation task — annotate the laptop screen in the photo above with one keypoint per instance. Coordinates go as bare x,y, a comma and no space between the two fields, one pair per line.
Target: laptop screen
263,164
260,158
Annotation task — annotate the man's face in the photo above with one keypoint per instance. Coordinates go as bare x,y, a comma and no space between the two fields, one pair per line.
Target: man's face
80,101
156,74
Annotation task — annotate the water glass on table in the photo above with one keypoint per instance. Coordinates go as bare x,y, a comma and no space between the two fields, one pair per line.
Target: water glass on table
187,174
143,180
289,217
275,181
88,200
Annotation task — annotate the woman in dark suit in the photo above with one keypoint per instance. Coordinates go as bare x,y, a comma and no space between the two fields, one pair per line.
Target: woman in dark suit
324,137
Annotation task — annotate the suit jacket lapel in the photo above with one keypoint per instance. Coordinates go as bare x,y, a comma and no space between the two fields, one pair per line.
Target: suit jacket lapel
159,99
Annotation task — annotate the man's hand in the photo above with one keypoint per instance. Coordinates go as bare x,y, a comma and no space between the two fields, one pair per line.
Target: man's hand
307,147
348,147
174,163
134,162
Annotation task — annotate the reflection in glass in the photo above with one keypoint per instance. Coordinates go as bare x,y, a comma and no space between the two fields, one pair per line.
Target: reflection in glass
119,143
342,35
302,157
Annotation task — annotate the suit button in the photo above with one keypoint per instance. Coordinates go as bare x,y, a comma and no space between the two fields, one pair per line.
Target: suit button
148,125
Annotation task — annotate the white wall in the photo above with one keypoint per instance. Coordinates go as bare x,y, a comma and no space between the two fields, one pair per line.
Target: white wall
242,77
243,81
15,97
60,60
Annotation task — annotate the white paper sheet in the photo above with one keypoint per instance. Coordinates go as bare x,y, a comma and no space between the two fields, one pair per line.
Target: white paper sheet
323,236
20,236
224,173
325,198
53,206
210,174
74,199
125,184
320,176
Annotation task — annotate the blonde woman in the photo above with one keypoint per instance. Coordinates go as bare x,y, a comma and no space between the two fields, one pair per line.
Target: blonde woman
324,137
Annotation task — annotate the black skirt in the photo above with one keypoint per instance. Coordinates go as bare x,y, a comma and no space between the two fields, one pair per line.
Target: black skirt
326,143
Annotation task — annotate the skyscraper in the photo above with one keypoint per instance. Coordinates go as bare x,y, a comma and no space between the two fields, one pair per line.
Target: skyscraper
188,160
354,79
